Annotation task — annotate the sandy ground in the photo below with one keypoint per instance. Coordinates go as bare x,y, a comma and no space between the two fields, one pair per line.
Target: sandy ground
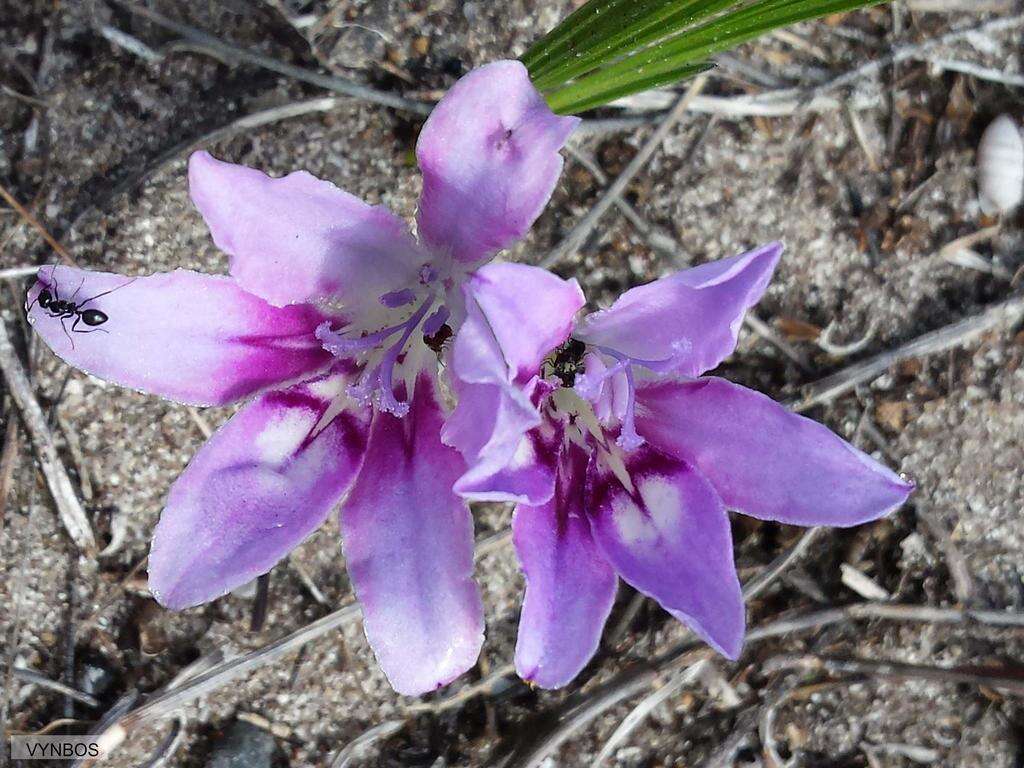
863,219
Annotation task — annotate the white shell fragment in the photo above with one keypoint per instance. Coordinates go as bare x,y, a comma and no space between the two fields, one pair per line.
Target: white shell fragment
1000,166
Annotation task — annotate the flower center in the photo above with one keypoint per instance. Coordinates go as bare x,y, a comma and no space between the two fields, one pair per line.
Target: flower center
379,352
609,388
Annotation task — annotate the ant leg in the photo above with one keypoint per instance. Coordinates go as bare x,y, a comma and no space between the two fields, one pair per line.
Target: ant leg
65,329
56,286
75,329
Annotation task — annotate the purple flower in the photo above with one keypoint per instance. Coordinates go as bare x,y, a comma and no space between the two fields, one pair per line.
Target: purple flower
622,459
330,320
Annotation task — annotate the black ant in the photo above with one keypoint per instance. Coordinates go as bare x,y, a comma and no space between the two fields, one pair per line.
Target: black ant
65,309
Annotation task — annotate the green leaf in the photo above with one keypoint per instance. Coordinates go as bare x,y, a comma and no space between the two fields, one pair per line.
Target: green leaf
627,37
569,101
612,48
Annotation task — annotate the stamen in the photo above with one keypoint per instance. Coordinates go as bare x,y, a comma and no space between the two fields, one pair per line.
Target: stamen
378,373
340,345
397,299
628,438
433,323
589,387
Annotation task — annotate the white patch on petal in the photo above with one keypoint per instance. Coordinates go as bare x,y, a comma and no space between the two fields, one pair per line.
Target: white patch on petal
632,523
663,501
524,456
282,435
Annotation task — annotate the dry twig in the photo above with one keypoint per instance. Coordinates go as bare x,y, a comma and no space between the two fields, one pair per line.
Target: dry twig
582,230
350,753
35,678
956,334
35,224
68,507
1005,678
647,705
231,52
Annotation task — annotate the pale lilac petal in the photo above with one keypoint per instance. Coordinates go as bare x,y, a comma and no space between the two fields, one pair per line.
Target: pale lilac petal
266,480
570,587
297,238
670,539
688,322
489,426
529,311
515,316
763,460
408,542
489,156
189,337
528,475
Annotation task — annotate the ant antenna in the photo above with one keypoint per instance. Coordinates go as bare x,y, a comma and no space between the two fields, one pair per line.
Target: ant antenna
98,295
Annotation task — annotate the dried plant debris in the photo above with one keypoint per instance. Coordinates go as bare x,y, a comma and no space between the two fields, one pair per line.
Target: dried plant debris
894,318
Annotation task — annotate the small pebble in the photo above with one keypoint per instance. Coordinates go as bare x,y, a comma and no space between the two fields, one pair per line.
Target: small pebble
1001,166
243,745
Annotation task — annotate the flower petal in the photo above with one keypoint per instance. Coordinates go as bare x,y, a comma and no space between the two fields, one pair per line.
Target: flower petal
189,337
515,316
408,541
266,480
489,156
570,587
297,238
688,322
763,460
529,312
670,539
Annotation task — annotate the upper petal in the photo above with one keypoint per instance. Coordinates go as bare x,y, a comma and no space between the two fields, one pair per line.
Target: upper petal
570,587
515,316
670,538
297,238
408,542
187,336
489,157
264,481
688,322
763,460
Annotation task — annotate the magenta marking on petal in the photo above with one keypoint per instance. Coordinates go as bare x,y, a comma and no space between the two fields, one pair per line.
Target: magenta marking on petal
669,537
230,344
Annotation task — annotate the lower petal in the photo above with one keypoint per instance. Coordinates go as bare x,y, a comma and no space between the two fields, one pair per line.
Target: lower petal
266,480
570,587
763,460
669,537
522,468
408,542
187,336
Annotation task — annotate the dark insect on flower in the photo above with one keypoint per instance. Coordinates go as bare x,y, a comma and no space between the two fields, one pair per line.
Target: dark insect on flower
49,300
436,342
567,360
